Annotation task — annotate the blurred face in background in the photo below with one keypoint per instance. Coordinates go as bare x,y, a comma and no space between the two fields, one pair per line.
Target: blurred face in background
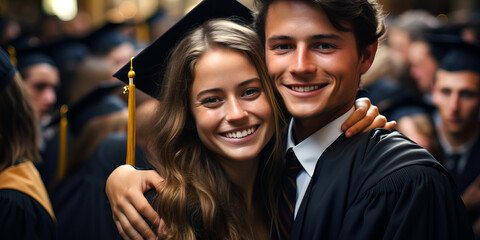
120,55
41,81
457,97
422,65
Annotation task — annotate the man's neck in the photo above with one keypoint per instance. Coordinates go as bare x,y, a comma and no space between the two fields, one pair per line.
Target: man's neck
303,127
458,140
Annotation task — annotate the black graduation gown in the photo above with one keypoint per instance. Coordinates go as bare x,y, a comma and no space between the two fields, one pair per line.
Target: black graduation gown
380,185
468,176
21,215
80,202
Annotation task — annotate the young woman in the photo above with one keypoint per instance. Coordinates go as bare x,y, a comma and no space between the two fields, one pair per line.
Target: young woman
26,209
217,138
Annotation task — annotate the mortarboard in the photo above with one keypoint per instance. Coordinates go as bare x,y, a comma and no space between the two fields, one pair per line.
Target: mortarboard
100,101
150,64
7,70
106,38
33,57
96,103
462,56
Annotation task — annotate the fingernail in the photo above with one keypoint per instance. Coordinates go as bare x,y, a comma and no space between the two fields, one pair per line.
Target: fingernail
348,134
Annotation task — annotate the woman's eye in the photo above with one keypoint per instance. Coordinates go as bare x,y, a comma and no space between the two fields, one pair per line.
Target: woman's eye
211,101
251,92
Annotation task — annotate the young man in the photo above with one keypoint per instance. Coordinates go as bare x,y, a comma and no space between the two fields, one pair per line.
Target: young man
456,93
384,186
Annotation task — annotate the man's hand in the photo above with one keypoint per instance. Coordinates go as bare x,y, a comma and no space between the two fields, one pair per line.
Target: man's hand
125,188
365,117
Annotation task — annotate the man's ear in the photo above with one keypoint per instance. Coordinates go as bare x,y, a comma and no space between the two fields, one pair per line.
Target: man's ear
368,55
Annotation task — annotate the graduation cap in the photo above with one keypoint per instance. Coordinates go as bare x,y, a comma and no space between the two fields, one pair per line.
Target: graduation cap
150,64
462,56
7,70
106,38
33,56
96,103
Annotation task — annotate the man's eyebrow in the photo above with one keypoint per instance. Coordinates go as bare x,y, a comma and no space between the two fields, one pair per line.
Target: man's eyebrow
279,37
314,37
326,36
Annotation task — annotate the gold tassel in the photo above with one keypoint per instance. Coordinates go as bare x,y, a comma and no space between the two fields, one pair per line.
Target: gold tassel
13,55
62,151
131,116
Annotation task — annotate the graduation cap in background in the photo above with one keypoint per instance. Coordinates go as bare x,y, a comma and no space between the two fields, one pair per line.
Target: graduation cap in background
106,38
461,56
96,103
150,64
33,57
7,70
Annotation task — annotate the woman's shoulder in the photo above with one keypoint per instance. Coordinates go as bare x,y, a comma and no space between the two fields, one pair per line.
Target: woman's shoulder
22,217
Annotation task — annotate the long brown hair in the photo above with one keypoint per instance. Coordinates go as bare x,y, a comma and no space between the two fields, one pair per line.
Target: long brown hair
197,194
18,125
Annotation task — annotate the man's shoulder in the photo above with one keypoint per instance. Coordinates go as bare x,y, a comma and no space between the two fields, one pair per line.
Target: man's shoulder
380,152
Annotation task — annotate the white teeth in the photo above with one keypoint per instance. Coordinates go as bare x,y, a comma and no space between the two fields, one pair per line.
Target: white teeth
305,88
240,134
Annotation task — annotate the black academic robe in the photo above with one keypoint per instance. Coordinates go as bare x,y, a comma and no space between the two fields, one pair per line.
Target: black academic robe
25,209
380,185
80,202
468,176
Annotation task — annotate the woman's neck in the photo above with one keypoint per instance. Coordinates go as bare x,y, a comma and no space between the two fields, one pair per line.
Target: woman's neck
243,174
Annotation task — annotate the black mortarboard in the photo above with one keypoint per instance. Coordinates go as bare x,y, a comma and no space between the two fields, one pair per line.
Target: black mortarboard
7,70
149,65
462,56
33,57
106,38
68,50
98,102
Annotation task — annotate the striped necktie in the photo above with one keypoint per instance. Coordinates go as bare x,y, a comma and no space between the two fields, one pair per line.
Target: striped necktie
289,192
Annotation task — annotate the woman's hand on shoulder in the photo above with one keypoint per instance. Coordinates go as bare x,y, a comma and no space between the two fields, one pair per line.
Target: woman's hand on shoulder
365,117
125,189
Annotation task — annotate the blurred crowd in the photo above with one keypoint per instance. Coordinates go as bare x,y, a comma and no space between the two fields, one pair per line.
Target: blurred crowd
426,76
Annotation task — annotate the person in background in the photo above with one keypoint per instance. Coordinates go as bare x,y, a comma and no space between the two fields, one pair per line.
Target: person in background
456,93
41,78
26,211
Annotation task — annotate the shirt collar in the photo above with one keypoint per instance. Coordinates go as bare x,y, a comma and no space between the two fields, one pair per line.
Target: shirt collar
309,150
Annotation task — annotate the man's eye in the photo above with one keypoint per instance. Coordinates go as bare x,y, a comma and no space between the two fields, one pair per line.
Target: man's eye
282,46
467,95
324,46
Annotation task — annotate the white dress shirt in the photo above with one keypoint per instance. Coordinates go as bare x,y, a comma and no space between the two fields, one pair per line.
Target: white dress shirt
309,151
